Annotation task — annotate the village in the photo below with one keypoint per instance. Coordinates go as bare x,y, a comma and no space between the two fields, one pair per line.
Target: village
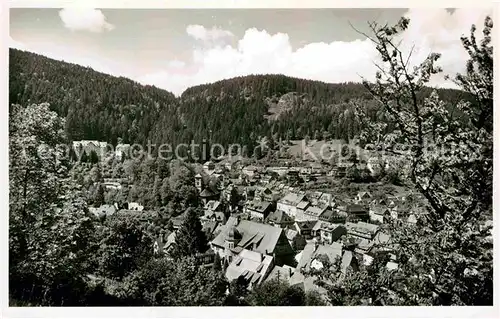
270,222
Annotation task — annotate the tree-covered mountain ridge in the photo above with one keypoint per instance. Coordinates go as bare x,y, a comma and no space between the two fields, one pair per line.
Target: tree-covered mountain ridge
99,106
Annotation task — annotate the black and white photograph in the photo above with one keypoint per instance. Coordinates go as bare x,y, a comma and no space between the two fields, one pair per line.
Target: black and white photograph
222,157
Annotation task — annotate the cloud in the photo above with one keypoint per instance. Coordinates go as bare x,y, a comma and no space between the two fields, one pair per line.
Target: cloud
208,36
438,30
87,19
259,52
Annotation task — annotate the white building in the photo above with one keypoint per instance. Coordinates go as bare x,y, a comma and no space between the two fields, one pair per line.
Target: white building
289,203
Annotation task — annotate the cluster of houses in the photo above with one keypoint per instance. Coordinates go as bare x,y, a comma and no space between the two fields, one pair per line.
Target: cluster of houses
277,231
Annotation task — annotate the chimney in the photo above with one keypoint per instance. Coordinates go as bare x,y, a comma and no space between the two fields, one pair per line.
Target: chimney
261,257
254,246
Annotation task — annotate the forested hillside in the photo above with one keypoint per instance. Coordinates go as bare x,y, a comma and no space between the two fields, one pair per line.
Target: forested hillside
96,105
238,110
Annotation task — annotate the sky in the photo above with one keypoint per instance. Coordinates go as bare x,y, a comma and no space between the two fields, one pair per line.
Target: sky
174,49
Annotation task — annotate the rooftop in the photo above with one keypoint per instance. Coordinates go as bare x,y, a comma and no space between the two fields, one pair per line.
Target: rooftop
253,266
265,237
292,199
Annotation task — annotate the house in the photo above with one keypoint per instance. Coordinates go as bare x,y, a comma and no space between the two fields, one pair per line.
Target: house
325,200
279,218
177,221
213,212
400,211
314,197
363,197
122,150
209,228
289,203
280,273
305,171
363,246
313,212
296,240
333,216
305,227
379,214
316,255
258,209
237,235
103,210
355,212
293,174
301,208
112,183
328,232
280,170
209,168
135,206
250,170
382,242
208,195
159,244
198,182
362,230
135,214
164,243
88,147
349,261
213,206
252,266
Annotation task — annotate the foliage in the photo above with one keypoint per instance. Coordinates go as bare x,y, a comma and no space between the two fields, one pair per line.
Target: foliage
50,230
447,258
124,247
190,238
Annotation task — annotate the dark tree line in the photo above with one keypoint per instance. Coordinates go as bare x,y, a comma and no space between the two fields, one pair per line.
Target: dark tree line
239,110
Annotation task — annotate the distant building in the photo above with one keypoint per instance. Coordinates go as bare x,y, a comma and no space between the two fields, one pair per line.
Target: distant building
355,212
250,170
333,216
296,240
305,228
363,197
103,210
314,212
209,168
88,147
135,206
122,150
313,254
198,182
